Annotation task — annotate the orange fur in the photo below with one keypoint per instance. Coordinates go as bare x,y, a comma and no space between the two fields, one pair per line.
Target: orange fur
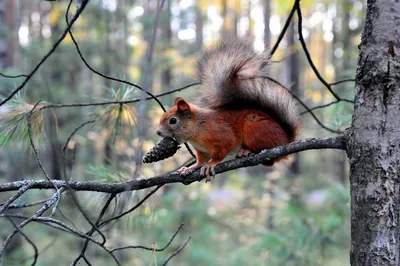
215,134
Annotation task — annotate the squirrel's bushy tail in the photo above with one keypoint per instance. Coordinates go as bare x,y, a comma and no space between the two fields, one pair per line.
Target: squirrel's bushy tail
233,75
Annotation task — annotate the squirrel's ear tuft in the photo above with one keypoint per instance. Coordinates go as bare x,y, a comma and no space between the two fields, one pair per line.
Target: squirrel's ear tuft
182,106
177,99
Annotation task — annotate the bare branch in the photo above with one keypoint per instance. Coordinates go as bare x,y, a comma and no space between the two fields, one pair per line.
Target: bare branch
94,228
177,251
66,105
23,205
338,142
309,59
36,253
21,191
39,162
152,249
131,209
39,213
62,227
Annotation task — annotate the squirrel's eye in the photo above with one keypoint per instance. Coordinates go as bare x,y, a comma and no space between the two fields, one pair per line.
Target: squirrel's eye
173,121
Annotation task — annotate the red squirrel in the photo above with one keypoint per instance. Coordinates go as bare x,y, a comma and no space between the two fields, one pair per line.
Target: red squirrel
240,111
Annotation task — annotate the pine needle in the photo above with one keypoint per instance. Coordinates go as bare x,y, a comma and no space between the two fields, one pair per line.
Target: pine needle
14,125
121,118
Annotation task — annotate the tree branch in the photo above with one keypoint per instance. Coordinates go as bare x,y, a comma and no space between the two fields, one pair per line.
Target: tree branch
338,142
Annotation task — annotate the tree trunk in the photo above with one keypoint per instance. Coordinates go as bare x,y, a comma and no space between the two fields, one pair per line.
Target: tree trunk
374,140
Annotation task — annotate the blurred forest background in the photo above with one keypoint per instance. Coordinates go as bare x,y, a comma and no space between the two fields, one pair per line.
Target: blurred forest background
291,214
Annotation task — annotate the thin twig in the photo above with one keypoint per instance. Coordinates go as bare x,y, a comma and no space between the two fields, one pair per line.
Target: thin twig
320,106
29,76
22,260
23,205
309,59
308,110
177,251
72,193
285,27
36,253
62,227
94,228
64,147
99,73
66,105
137,205
39,162
13,76
342,81
21,191
39,213
152,248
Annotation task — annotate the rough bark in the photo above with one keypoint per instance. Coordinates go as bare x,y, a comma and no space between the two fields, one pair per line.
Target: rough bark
374,140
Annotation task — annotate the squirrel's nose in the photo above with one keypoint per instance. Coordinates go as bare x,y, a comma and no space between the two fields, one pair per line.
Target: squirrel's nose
158,132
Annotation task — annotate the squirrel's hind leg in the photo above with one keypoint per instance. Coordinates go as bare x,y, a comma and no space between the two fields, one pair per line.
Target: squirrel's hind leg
262,132
243,152
217,155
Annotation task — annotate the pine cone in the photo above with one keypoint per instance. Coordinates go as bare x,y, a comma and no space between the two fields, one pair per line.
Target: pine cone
165,148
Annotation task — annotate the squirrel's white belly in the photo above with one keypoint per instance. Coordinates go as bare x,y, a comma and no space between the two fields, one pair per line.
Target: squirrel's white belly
198,147
204,150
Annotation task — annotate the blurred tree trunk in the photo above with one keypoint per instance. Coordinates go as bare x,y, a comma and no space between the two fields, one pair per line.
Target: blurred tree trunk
292,66
236,16
199,27
146,80
292,75
166,75
342,40
54,78
267,17
109,156
11,42
8,44
250,29
3,40
374,140
224,15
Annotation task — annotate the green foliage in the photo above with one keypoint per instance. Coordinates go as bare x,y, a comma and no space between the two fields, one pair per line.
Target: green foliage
14,122
303,236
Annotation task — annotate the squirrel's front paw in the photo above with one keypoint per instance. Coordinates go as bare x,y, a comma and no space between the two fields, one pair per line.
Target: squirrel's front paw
208,171
184,170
